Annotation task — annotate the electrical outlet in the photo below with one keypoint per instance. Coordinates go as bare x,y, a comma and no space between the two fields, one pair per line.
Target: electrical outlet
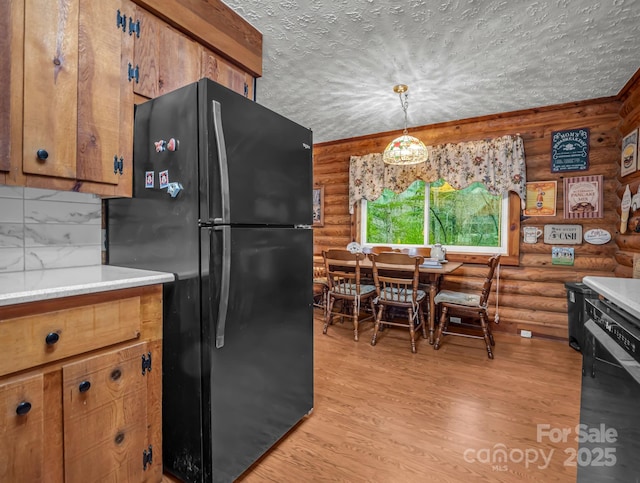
525,333
455,320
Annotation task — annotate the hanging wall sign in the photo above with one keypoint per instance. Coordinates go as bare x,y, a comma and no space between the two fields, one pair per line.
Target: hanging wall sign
563,234
597,236
570,150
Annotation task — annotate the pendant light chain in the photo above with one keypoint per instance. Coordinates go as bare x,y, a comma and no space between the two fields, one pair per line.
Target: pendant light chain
405,106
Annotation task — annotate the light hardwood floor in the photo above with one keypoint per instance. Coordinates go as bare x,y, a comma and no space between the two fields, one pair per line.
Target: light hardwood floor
383,414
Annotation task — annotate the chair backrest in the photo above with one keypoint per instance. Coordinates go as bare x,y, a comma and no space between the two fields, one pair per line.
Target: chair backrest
343,271
391,283
417,251
379,249
319,272
486,287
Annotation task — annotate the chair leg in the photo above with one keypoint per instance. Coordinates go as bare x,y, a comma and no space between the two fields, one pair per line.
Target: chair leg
327,315
356,315
422,322
485,333
443,319
493,342
412,331
325,294
376,327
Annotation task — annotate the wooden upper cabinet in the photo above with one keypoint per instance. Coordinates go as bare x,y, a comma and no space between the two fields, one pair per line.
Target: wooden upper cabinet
76,68
166,58
223,72
105,96
7,79
50,88
77,117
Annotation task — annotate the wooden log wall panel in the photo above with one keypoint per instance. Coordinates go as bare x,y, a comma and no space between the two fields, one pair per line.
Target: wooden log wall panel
629,242
532,295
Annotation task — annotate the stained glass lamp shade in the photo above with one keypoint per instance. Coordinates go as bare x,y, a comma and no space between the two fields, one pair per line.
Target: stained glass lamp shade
405,149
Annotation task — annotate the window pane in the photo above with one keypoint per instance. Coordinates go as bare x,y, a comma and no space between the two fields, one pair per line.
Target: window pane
468,217
397,219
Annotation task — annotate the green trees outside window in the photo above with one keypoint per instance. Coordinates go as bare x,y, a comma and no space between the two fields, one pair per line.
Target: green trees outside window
470,217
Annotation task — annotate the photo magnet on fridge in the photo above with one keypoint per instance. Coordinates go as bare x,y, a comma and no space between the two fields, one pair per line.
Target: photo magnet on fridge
164,178
149,178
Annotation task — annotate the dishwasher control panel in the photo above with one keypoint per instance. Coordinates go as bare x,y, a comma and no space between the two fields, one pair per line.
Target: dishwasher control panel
620,325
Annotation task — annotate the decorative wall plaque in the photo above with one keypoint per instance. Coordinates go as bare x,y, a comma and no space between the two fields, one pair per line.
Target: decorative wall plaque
629,156
597,236
563,234
583,197
570,150
541,198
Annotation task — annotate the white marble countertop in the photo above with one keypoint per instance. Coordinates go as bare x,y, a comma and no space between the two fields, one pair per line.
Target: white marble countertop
35,285
624,292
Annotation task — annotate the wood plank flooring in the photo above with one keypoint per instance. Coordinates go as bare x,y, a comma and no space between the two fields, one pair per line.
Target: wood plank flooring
383,414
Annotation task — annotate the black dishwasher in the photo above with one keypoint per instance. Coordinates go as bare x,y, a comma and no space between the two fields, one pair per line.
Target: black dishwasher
609,431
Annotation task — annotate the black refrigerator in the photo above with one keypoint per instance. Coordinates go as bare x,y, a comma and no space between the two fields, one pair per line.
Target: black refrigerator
222,198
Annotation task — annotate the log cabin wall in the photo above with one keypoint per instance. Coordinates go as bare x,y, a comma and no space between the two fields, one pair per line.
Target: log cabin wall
629,243
532,296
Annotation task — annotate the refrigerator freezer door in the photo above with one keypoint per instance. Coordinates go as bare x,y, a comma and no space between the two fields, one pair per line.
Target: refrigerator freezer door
268,176
261,379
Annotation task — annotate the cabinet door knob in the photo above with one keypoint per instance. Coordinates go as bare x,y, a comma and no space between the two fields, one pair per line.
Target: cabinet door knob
42,154
23,408
52,338
84,386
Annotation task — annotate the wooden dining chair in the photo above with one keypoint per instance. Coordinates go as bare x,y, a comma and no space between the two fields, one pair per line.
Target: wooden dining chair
343,275
320,285
471,308
396,277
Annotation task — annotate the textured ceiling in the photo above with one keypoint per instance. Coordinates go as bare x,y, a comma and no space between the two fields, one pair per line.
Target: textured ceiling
331,65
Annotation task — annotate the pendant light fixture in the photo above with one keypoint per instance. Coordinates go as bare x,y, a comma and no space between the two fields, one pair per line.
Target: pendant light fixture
405,149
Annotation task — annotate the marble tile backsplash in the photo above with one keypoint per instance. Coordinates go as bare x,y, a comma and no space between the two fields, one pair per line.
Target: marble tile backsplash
42,229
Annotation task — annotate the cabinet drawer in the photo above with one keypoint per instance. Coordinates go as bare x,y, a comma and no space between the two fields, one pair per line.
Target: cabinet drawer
37,339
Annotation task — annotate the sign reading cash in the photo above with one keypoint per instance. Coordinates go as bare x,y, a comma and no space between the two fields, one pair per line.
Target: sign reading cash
563,234
570,150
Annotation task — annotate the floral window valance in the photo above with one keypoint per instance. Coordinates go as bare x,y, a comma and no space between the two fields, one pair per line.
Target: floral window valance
497,163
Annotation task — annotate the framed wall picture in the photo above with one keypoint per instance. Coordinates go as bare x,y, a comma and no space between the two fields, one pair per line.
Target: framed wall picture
541,198
318,206
562,256
629,157
583,197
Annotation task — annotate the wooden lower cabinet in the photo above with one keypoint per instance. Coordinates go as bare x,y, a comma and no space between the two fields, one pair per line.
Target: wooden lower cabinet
94,416
22,429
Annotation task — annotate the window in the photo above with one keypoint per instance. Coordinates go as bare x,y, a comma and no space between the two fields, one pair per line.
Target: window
468,221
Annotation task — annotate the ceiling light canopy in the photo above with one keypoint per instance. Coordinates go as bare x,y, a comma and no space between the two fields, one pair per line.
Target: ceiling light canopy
405,149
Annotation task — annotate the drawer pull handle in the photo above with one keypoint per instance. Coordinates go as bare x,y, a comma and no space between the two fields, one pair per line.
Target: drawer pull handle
116,374
84,386
52,338
23,408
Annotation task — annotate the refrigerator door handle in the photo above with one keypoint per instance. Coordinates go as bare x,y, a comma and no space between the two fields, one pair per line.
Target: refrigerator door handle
224,284
222,163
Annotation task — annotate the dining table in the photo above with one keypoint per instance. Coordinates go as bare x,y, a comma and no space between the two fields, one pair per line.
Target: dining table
430,274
